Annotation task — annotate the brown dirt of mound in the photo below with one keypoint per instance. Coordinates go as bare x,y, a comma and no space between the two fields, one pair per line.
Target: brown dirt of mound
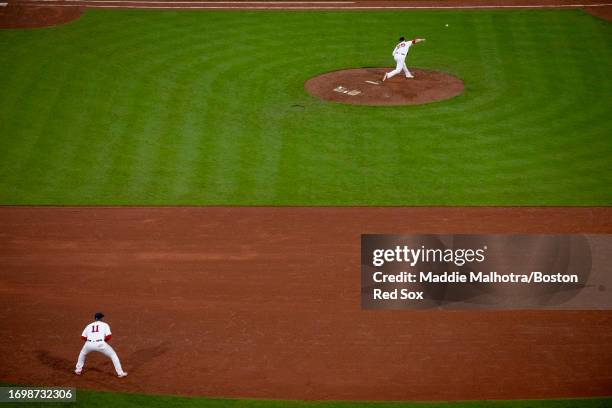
265,302
18,16
364,86
604,12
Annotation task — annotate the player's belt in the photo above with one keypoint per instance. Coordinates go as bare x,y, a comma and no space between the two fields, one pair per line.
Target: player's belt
94,341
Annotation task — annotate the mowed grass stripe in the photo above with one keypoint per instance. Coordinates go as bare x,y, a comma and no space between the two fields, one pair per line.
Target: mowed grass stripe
138,64
158,157
95,399
209,108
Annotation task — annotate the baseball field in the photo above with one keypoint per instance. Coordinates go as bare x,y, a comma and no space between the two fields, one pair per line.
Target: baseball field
163,162
144,107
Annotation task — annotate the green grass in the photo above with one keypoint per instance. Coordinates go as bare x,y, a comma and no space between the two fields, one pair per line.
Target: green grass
96,399
158,107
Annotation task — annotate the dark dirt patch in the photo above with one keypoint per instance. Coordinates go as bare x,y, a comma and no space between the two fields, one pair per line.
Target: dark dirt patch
265,302
604,12
426,86
19,16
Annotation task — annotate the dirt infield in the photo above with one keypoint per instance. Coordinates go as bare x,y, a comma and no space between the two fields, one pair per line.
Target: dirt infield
601,12
24,16
363,86
264,302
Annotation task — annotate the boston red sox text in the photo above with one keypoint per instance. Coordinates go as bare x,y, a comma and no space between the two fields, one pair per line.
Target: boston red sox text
404,294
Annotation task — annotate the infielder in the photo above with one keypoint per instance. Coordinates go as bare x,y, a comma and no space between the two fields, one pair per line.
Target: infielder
399,54
96,335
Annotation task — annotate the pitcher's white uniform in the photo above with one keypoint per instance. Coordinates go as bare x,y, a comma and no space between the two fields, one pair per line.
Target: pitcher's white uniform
96,335
399,54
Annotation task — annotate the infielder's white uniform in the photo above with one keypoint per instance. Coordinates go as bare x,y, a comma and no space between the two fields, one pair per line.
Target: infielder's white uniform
399,54
96,335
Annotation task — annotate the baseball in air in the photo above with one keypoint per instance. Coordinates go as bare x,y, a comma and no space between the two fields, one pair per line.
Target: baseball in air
445,25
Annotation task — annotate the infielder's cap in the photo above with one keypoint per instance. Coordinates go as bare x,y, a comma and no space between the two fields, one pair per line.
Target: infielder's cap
98,316
402,39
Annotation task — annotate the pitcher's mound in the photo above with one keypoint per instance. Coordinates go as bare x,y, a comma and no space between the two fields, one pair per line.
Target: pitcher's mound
364,86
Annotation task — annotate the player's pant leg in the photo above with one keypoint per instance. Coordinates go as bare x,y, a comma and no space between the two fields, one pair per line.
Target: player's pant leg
406,71
108,351
82,355
398,68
